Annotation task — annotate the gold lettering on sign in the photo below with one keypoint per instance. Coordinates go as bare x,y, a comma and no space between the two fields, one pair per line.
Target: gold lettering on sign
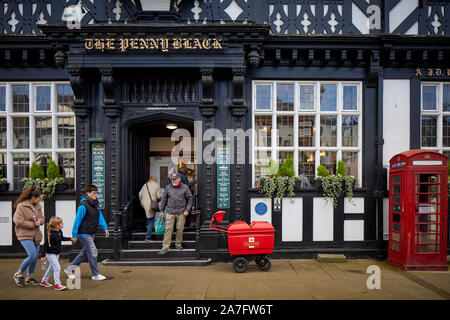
438,72
123,44
110,44
165,44
418,73
430,73
89,44
177,44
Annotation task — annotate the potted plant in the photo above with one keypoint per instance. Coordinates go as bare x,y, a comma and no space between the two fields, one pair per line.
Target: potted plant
4,184
322,172
36,179
348,182
279,180
54,175
334,186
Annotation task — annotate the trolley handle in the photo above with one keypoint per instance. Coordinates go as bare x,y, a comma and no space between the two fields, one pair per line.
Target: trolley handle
213,226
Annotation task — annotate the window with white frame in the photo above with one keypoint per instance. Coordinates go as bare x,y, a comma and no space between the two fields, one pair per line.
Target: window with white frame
37,123
435,118
314,122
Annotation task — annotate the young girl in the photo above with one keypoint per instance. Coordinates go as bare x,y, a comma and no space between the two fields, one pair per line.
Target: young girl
51,251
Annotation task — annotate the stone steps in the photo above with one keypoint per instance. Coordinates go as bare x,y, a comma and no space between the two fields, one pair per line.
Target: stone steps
158,262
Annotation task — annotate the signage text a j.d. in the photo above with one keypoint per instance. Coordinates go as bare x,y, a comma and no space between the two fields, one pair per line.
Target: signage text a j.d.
433,72
151,44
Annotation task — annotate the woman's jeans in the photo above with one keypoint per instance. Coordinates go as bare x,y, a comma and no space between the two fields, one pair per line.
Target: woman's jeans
33,252
150,223
89,253
54,266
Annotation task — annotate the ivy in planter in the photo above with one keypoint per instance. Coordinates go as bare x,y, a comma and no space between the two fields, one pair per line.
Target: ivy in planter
37,179
334,186
279,181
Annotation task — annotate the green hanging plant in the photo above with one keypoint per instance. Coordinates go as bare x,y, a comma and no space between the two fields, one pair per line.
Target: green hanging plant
280,181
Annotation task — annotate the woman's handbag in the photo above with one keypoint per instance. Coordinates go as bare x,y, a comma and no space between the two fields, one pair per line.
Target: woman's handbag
160,224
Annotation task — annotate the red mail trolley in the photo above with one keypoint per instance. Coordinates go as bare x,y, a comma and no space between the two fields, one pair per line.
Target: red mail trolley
254,241
418,210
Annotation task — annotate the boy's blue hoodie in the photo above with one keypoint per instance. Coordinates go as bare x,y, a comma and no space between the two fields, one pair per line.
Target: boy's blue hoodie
81,212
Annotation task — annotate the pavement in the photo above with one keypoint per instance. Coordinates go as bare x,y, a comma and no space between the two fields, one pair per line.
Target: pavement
287,280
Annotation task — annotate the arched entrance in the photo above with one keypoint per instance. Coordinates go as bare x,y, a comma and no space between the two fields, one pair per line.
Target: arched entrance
147,153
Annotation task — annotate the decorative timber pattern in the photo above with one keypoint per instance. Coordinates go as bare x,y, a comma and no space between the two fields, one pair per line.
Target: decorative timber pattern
424,17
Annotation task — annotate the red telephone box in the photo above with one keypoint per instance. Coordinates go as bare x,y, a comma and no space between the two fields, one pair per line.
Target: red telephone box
418,210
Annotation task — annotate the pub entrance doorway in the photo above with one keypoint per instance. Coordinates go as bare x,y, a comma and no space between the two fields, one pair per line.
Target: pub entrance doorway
151,155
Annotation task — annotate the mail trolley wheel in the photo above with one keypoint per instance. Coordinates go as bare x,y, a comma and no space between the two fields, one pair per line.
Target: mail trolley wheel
263,263
240,264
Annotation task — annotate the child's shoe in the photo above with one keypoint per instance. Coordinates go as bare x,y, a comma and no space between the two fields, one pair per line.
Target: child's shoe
45,284
59,287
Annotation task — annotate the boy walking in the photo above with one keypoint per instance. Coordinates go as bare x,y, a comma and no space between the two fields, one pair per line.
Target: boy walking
88,218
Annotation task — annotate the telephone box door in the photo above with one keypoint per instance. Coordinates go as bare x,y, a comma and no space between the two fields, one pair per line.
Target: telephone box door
396,215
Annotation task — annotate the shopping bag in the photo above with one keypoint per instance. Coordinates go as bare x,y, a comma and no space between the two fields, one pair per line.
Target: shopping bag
160,225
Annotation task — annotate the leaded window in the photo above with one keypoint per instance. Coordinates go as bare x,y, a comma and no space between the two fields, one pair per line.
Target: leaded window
435,118
315,122
36,124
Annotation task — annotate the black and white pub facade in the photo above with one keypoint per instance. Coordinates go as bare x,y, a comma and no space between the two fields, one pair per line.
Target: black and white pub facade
102,86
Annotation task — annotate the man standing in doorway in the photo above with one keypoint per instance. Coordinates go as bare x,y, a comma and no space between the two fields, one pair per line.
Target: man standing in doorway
177,201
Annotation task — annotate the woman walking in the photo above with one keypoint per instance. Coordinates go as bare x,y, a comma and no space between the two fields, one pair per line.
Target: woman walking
28,218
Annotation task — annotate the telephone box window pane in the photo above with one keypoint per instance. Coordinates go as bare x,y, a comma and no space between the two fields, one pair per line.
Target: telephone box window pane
285,126
43,132
21,100
2,98
429,97
285,97
396,189
427,238
426,248
396,198
396,227
446,132
66,163
263,97
306,165
396,216
446,98
3,133
350,131
351,163
328,159
263,127
21,167
429,131
328,131
65,98
395,246
328,97
396,180
21,132
350,98
262,160
395,236
306,97
306,131
43,98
